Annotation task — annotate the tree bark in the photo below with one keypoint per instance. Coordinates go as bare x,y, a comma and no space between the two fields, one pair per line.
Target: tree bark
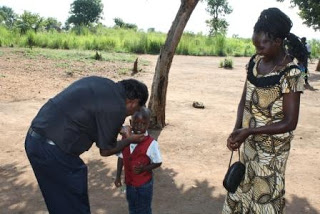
157,102
318,66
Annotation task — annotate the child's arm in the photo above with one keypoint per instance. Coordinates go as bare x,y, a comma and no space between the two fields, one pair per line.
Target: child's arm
155,158
149,167
117,182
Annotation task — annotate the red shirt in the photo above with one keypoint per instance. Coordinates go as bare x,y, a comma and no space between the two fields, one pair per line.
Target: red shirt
136,158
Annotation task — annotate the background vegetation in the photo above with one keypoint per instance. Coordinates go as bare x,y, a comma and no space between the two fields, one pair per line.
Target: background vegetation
83,31
131,41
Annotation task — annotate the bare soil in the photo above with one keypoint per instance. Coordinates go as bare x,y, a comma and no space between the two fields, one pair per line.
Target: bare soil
193,144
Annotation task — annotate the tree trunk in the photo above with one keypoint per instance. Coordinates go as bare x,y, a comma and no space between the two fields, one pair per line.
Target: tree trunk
318,66
157,102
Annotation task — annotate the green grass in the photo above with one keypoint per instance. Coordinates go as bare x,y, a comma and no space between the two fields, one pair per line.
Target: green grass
124,71
84,42
76,55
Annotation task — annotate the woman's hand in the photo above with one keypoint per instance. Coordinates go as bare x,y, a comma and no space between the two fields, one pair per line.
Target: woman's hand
232,146
236,138
117,182
240,135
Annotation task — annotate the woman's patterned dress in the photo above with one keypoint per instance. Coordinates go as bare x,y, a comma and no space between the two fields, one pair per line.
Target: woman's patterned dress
265,156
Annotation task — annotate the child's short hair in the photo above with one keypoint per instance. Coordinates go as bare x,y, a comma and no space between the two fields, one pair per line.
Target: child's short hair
144,112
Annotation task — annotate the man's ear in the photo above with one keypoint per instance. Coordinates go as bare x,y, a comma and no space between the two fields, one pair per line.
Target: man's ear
132,106
278,41
130,102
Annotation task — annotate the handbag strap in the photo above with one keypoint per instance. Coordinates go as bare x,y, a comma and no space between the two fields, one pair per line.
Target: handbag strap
232,155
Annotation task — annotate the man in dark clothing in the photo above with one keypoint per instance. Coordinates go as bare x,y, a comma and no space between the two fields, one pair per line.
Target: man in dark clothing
90,110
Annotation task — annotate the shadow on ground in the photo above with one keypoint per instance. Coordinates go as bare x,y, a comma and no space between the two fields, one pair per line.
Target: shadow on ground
19,197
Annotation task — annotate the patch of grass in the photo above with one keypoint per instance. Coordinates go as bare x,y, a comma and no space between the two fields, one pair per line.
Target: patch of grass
144,62
123,71
79,55
30,53
62,65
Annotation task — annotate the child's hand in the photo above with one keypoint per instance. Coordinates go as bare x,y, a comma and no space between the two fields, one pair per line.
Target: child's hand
117,182
138,169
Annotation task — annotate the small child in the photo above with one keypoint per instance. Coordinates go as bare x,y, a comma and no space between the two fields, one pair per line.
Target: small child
139,160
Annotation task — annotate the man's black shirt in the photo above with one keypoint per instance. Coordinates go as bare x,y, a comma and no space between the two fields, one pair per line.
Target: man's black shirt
90,110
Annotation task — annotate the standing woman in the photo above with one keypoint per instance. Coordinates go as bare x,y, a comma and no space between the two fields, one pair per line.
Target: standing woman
267,114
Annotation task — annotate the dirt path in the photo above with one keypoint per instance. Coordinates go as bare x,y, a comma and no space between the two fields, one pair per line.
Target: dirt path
195,157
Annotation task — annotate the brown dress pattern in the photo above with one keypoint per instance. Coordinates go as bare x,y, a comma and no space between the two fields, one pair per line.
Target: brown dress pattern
265,156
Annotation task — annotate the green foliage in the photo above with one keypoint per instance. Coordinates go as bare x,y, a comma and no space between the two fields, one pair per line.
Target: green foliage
100,39
52,24
30,39
29,21
226,63
309,11
121,24
81,30
218,9
315,48
7,16
85,12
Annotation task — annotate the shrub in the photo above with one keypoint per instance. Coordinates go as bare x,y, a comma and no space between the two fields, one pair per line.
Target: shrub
98,56
30,39
226,63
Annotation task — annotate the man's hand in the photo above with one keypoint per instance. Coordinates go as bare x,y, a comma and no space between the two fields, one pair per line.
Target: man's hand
136,138
127,134
125,131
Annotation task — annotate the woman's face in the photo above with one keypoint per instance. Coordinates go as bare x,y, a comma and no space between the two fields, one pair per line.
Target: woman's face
265,46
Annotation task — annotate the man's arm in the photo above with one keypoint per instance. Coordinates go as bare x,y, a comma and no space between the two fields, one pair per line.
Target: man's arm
133,138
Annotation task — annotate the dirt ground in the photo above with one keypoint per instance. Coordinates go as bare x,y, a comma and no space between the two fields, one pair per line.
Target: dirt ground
193,144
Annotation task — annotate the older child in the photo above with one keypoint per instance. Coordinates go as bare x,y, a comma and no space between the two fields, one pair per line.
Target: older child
139,160
267,114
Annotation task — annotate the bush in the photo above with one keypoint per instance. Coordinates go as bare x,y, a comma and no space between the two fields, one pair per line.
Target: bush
154,47
30,39
226,63
98,56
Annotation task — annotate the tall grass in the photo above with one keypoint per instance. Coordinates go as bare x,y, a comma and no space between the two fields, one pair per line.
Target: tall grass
129,41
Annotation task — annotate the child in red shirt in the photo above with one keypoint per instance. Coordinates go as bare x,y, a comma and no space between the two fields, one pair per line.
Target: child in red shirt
139,160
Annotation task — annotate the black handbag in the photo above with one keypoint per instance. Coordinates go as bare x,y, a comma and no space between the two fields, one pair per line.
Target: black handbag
234,175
